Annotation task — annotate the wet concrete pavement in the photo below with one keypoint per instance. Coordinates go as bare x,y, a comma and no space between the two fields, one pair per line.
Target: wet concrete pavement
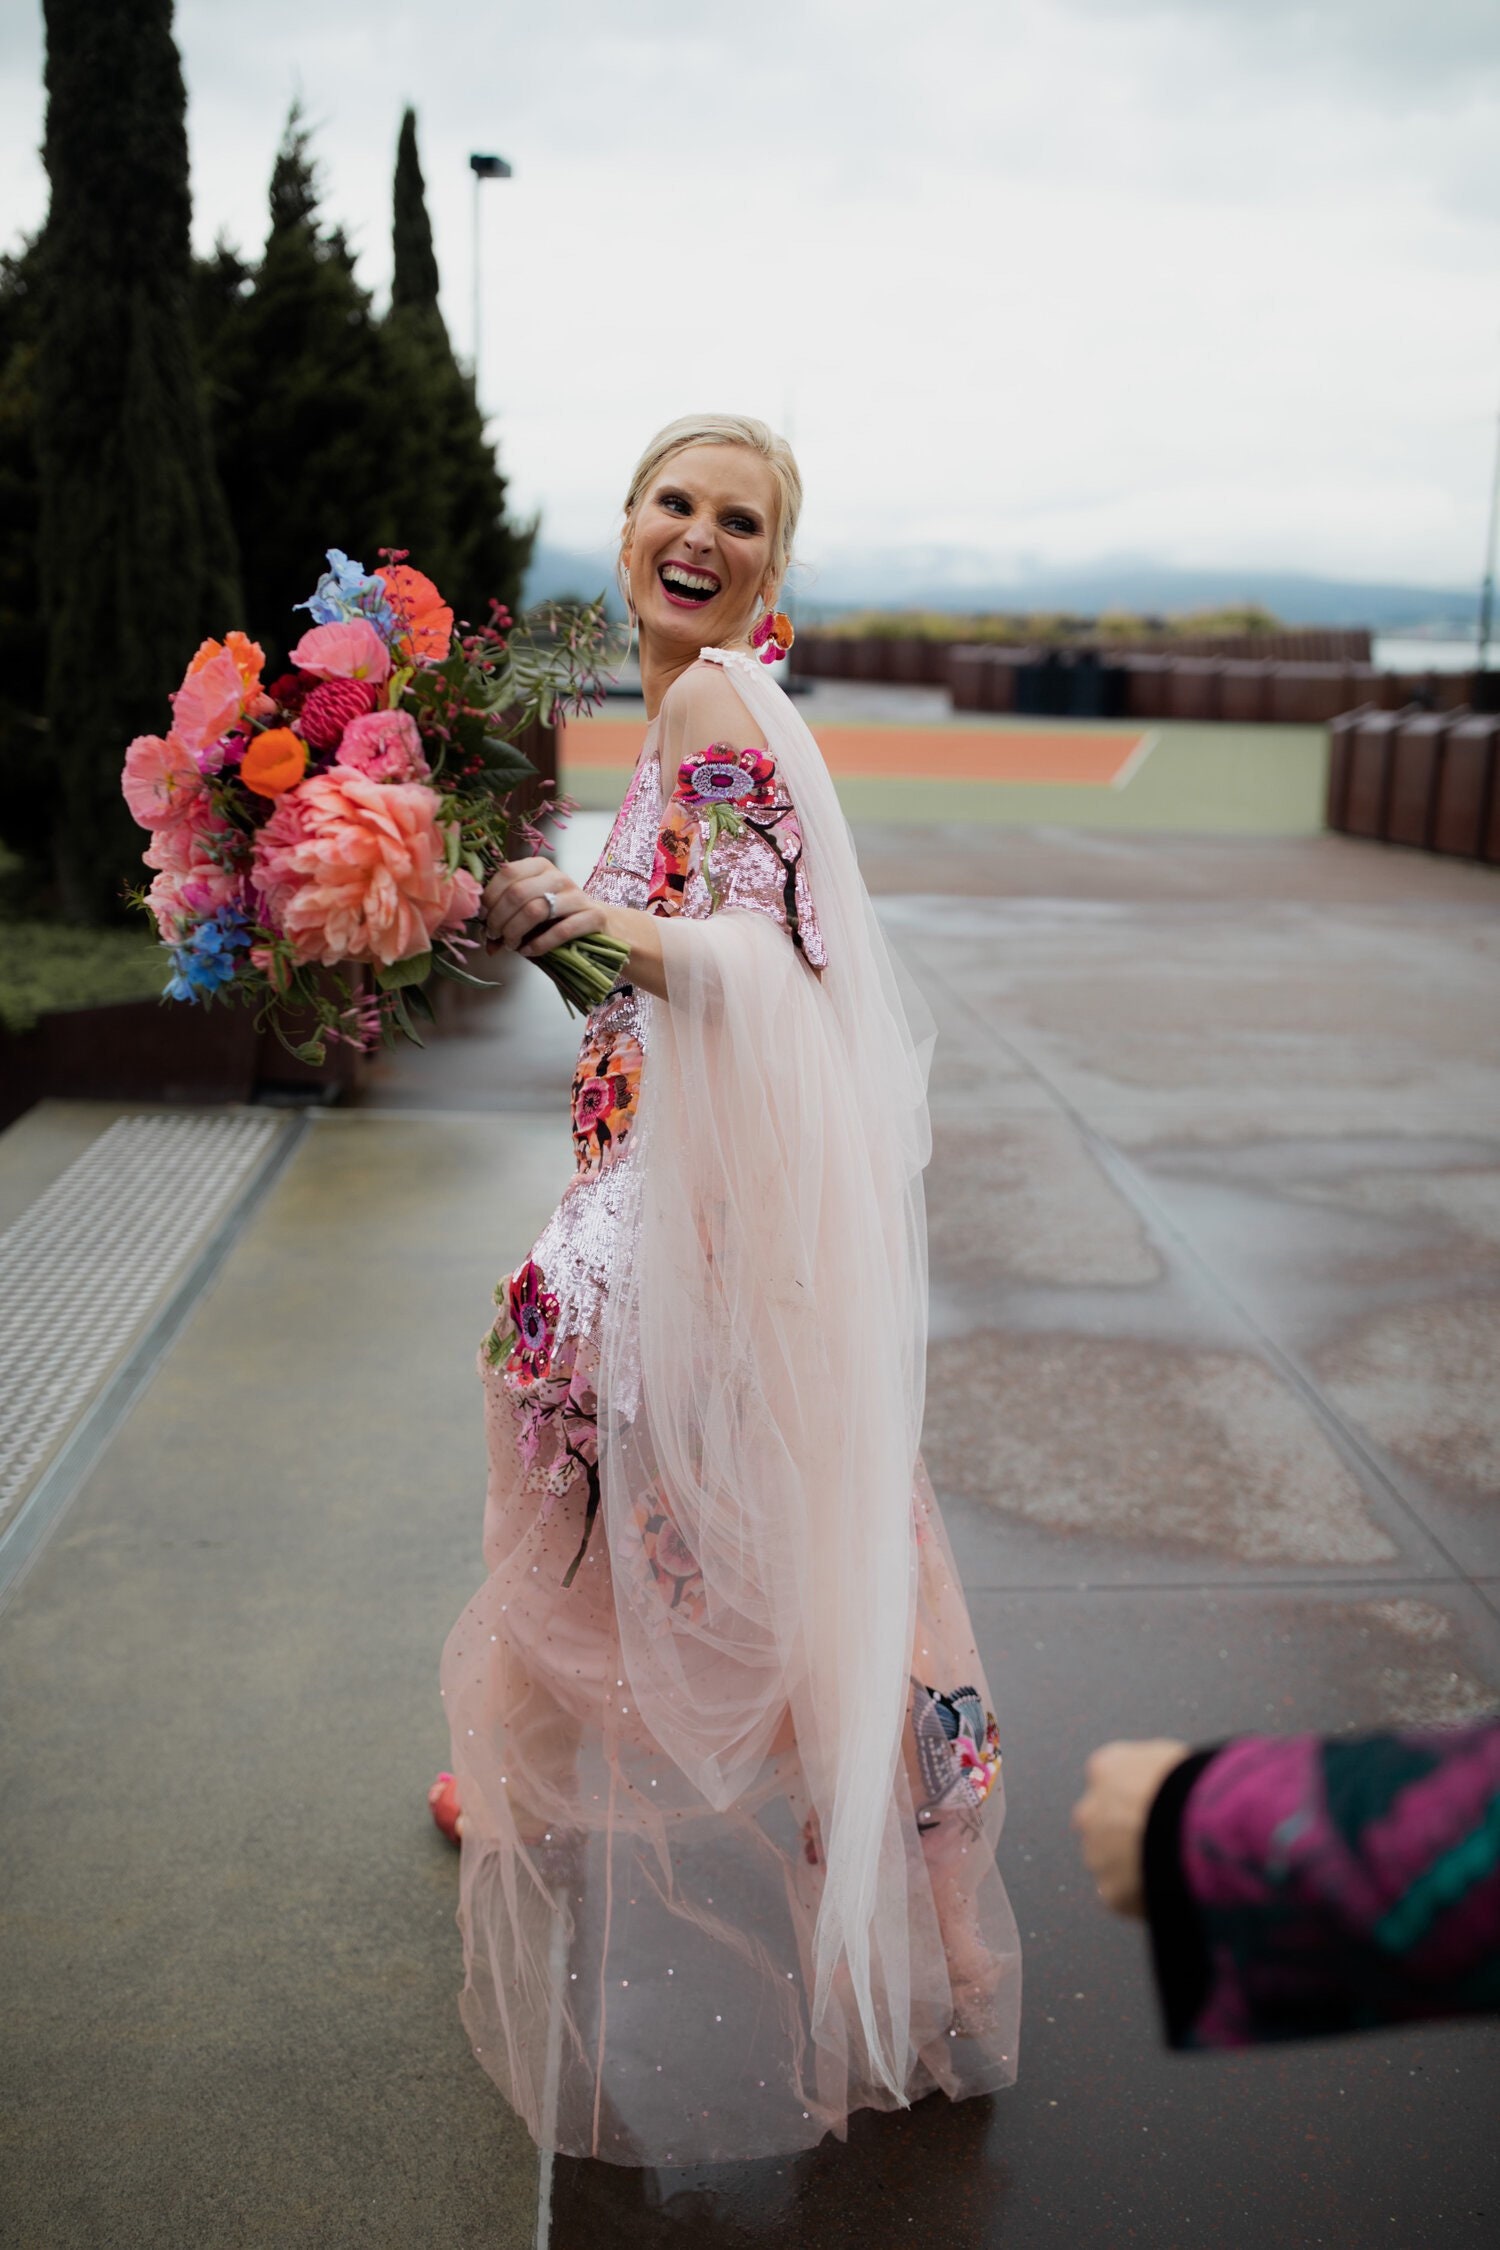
1215,1226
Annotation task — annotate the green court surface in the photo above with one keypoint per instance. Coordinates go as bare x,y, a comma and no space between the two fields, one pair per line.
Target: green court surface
1199,779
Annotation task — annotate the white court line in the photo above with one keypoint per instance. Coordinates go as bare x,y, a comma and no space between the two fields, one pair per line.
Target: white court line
1136,760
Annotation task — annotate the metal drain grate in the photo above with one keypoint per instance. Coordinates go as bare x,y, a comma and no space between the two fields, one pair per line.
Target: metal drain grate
83,1267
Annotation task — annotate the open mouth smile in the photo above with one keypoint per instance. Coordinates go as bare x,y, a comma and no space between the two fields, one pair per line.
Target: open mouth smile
687,589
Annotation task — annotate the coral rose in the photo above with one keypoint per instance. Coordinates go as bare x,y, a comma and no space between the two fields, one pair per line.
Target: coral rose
274,762
161,782
424,620
354,870
351,651
386,746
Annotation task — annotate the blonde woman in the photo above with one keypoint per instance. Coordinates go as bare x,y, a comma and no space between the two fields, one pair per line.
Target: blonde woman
727,1764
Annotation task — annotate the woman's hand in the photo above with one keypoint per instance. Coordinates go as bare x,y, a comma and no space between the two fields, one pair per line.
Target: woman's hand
1110,1816
531,906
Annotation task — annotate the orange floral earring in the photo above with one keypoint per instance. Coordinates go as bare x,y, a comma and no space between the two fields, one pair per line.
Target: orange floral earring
773,636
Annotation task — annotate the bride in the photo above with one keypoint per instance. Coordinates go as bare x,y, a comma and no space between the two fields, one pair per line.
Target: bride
728,1774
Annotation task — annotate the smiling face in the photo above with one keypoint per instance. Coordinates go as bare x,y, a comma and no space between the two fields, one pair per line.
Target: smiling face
698,548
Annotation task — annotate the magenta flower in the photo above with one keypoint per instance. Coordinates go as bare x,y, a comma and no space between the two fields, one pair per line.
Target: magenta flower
533,1312
593,1100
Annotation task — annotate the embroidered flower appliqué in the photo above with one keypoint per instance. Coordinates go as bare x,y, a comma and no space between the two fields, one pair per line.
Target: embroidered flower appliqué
958,1752
533,1313
606,1095
671,1566
722,775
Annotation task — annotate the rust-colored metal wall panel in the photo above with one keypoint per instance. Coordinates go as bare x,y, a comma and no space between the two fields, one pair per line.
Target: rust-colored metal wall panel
1244,689
1308,694
966,677
1340,755
1411,794
1192,687
1369,773
1466,787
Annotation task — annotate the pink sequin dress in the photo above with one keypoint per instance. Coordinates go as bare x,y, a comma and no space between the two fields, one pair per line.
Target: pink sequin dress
643,1975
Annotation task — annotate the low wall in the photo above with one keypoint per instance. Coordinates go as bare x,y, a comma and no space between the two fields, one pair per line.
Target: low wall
915,660
1189,680
1427,779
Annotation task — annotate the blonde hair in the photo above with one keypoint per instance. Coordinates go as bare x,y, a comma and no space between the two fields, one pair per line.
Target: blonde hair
725,429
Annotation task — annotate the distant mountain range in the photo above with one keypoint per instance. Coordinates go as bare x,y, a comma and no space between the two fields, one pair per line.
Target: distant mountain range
939,579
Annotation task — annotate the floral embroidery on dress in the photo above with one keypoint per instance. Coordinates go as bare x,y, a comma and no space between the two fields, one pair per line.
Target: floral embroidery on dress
533,1319
730,820
723,775
606,1095
673,862
958,1752
670,1563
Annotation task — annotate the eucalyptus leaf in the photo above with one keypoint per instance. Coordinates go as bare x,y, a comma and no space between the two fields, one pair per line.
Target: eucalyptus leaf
415,969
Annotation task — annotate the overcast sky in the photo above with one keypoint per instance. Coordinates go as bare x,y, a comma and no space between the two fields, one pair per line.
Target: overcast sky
1214,282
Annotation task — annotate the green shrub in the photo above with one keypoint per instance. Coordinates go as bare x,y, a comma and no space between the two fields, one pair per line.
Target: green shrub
47,966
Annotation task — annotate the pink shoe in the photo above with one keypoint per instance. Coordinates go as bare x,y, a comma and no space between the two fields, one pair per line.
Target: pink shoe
442,1799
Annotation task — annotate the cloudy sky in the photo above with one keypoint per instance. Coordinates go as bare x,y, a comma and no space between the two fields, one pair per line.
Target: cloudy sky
1213,282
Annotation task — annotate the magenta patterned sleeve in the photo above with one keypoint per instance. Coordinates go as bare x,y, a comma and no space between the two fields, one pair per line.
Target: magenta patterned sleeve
1306,1885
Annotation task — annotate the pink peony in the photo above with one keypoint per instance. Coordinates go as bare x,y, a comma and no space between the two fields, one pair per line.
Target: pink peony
353,869
352,651
161,781
386,746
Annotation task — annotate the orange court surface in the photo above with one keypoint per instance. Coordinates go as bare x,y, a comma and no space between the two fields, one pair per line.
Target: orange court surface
1096,757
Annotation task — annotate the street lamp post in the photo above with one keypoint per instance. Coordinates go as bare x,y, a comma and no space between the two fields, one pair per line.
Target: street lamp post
483,168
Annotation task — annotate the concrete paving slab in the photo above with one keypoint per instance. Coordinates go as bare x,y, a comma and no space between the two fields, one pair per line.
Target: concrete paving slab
1106,2139
230,1961
1195,1195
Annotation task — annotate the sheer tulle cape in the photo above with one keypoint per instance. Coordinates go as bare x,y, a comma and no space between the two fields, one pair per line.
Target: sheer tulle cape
763,1367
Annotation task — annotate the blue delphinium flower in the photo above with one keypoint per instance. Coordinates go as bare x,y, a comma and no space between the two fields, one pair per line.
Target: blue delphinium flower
205,962
345,591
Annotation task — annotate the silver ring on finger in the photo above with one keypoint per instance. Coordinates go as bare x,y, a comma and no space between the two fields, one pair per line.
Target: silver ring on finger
549,900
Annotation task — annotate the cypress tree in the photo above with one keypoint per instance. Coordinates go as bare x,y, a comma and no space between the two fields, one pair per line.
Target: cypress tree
446,490
306,422
414,276
137,558
28,793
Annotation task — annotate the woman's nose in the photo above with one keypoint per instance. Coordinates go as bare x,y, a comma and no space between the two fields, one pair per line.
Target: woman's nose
699,534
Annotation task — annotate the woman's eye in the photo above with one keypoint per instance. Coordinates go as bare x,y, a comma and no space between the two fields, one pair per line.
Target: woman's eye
742,523
676,503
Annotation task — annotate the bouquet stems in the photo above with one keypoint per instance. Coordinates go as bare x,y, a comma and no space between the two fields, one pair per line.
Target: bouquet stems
586,970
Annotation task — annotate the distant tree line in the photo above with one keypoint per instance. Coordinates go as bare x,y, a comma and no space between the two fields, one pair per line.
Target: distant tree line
181,439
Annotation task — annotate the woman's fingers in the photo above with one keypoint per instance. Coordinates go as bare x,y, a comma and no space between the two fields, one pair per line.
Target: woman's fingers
566,927
515,898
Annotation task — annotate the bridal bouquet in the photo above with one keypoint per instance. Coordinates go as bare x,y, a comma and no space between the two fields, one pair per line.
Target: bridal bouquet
321,843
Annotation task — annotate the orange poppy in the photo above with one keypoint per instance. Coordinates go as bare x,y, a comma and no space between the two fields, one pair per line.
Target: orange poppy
274,762
425,619
249,657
